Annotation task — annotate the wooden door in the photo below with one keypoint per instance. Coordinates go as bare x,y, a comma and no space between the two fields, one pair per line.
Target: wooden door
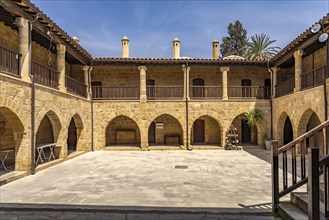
246,132
151,133
198,131
267,88
198,90
246,91
150,88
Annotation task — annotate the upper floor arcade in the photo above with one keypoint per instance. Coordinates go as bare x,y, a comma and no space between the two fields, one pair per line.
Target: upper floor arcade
178,79
32,44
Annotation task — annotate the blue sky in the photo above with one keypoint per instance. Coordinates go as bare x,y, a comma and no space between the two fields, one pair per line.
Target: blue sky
152,25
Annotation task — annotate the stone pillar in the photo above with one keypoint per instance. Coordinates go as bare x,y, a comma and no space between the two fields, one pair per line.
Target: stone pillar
23,35
61,66
142,78
85,69
298,69
274,80
186,71
215,54
224,71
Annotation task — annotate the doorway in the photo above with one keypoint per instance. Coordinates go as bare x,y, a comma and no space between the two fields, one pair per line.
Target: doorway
198,131
198,85
72,137
150,88
287,131
267,88
151,133
246,132
246,90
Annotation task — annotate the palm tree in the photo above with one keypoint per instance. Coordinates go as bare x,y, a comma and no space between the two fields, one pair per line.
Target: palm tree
254,116
260,48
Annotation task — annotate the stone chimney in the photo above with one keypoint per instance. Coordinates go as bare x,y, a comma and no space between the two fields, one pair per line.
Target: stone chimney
215,49
176,48
125,47
76,39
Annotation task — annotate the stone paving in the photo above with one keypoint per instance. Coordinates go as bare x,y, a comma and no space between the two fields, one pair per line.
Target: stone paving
230,183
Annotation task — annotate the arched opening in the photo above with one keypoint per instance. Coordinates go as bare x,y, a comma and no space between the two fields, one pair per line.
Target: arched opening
123,131
11,135
46,138
308,121
165,130
74,132
288,134
206,131
247,135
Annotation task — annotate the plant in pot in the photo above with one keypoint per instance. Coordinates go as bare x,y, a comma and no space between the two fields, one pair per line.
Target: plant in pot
253,117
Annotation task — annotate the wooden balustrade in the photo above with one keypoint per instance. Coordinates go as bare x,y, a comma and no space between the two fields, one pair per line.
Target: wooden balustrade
285,88
313,78
318,163
75,86
116,92
164,92
9,61
206,92
248,92
44,75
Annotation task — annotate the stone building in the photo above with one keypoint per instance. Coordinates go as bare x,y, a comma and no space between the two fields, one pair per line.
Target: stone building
82,103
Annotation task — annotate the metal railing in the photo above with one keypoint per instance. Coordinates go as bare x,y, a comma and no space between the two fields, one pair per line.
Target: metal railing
317,165
164,92
206,92
285,87
9,61
248,92
44,75
313,78
116,92
75,86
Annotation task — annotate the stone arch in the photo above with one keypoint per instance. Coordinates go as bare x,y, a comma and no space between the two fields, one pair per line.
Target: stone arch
11,134
74,133
206,130
48,129
122,131
165,130
247,135
307,122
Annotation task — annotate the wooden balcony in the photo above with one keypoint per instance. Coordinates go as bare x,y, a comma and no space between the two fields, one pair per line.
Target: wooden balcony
164,92
76,87
9,61
206,92
247,92
44,75
116,92
285,88
313,78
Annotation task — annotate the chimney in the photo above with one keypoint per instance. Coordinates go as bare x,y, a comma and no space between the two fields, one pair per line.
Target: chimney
76,39
125,47
176,48
215,49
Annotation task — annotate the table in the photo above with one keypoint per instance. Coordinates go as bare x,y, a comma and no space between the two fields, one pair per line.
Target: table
41,154
7,155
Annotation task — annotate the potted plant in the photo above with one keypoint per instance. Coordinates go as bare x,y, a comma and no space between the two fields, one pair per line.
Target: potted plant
253,117
268,142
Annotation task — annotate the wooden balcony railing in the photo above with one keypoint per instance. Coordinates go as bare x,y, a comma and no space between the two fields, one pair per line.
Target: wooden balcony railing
9,61
206,92
75,87
259,92
164,92
285,88
44,75
313,78
115,92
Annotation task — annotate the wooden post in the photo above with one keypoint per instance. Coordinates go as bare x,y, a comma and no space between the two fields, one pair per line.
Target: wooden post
275,176
313,184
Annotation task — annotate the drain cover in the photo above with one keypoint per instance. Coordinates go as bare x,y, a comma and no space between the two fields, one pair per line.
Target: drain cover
180,167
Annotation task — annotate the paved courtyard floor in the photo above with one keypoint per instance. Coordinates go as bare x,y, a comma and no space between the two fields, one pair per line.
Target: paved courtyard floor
223,182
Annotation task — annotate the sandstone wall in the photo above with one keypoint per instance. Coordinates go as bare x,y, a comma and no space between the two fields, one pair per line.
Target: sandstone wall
8,37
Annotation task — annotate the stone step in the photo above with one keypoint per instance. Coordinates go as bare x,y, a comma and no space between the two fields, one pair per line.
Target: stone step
289,211
300,199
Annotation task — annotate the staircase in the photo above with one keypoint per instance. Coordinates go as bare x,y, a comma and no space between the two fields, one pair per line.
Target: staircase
297,208
311,167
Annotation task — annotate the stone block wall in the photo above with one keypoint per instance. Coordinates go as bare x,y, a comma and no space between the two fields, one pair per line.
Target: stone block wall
171,127
115,75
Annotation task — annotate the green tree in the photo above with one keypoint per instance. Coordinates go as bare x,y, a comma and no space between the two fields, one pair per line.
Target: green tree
260,48
236,42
